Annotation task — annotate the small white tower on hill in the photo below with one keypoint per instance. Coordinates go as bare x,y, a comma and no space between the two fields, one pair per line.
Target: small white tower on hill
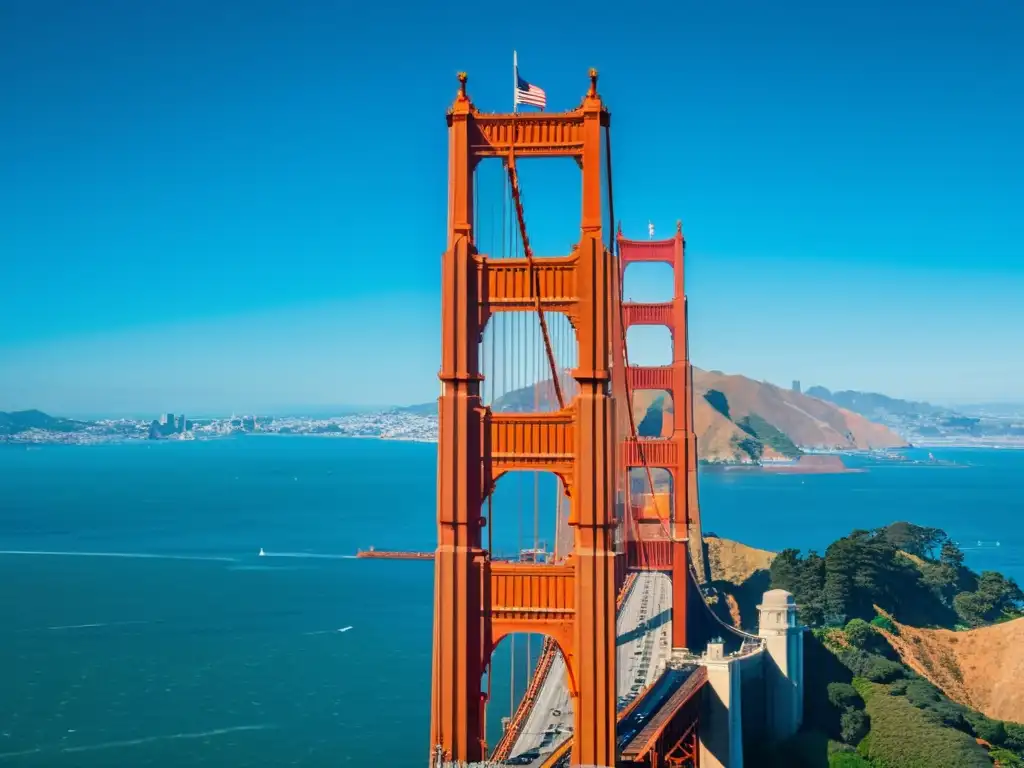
784,676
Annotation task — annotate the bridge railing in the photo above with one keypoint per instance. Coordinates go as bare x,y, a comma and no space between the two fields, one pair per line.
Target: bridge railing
508,739
627,588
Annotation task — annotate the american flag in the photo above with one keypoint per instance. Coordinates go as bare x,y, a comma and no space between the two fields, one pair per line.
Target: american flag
529,94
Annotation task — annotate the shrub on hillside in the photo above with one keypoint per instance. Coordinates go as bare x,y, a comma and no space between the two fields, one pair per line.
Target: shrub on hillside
871,666
1014,736
844,696
1006,759
942,710
899,688
884,622
859,633
853,725
903,736
992,731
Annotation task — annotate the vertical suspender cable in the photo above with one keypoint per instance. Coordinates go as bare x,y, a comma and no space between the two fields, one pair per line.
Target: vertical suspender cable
534,277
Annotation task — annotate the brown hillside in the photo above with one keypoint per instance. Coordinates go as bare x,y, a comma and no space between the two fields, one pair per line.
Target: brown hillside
807,421
739,578
981,668
735,562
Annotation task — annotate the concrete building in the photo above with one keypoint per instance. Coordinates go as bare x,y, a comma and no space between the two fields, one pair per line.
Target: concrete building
756,694
796,386
784,675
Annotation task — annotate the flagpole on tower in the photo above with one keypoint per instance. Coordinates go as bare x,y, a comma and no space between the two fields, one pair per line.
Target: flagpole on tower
515,82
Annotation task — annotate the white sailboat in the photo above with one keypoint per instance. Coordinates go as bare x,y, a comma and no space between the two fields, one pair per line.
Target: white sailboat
262,553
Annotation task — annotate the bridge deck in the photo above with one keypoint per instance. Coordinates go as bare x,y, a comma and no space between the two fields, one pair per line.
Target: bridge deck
644,643
690,681
648,715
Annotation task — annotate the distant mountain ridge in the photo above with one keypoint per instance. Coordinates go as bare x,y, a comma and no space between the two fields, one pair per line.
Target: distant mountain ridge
420,409
14,422
874,405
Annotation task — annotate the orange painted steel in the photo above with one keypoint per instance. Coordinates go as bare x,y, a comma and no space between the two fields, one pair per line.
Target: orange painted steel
627,587
677,718
685,753
677,453
478,600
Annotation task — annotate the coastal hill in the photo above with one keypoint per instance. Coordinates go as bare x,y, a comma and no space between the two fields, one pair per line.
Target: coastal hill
979,668
15,422
739,419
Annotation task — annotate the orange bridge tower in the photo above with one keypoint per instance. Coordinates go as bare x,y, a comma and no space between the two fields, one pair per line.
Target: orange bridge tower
478,600
678,510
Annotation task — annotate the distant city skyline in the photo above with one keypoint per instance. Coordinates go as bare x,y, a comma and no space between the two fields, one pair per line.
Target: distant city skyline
246,211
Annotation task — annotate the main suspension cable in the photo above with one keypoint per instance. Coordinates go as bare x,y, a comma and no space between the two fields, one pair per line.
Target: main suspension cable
534,277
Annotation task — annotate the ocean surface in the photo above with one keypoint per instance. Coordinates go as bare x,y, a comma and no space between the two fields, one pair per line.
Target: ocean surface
138,626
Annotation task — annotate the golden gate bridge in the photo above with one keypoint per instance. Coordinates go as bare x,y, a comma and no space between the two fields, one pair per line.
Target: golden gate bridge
536,378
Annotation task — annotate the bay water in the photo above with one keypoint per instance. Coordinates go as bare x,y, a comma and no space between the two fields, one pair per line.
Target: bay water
139,626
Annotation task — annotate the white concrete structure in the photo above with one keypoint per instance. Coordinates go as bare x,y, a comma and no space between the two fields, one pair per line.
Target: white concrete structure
784,676
721,725
757,694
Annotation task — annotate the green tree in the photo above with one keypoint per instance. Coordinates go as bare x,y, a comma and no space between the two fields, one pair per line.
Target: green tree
859,633
1014,736
785,571
804,578
811,589
951,555
854,725
915,539
844,696
882,670
992,731
995,596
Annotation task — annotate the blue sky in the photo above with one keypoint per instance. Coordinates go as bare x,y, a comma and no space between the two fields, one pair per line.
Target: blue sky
241,205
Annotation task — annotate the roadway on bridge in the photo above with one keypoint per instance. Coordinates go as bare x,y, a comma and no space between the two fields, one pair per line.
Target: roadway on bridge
644,630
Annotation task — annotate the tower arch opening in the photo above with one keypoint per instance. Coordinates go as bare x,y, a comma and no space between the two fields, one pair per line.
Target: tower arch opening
530,705
648,283
649,345
653,412
550,194
525,514
515,363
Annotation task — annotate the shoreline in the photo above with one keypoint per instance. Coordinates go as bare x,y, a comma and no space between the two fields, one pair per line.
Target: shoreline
718,465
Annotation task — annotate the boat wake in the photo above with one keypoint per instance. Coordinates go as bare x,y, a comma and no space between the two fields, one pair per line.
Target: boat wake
328,631
307,554
101,624
133,742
